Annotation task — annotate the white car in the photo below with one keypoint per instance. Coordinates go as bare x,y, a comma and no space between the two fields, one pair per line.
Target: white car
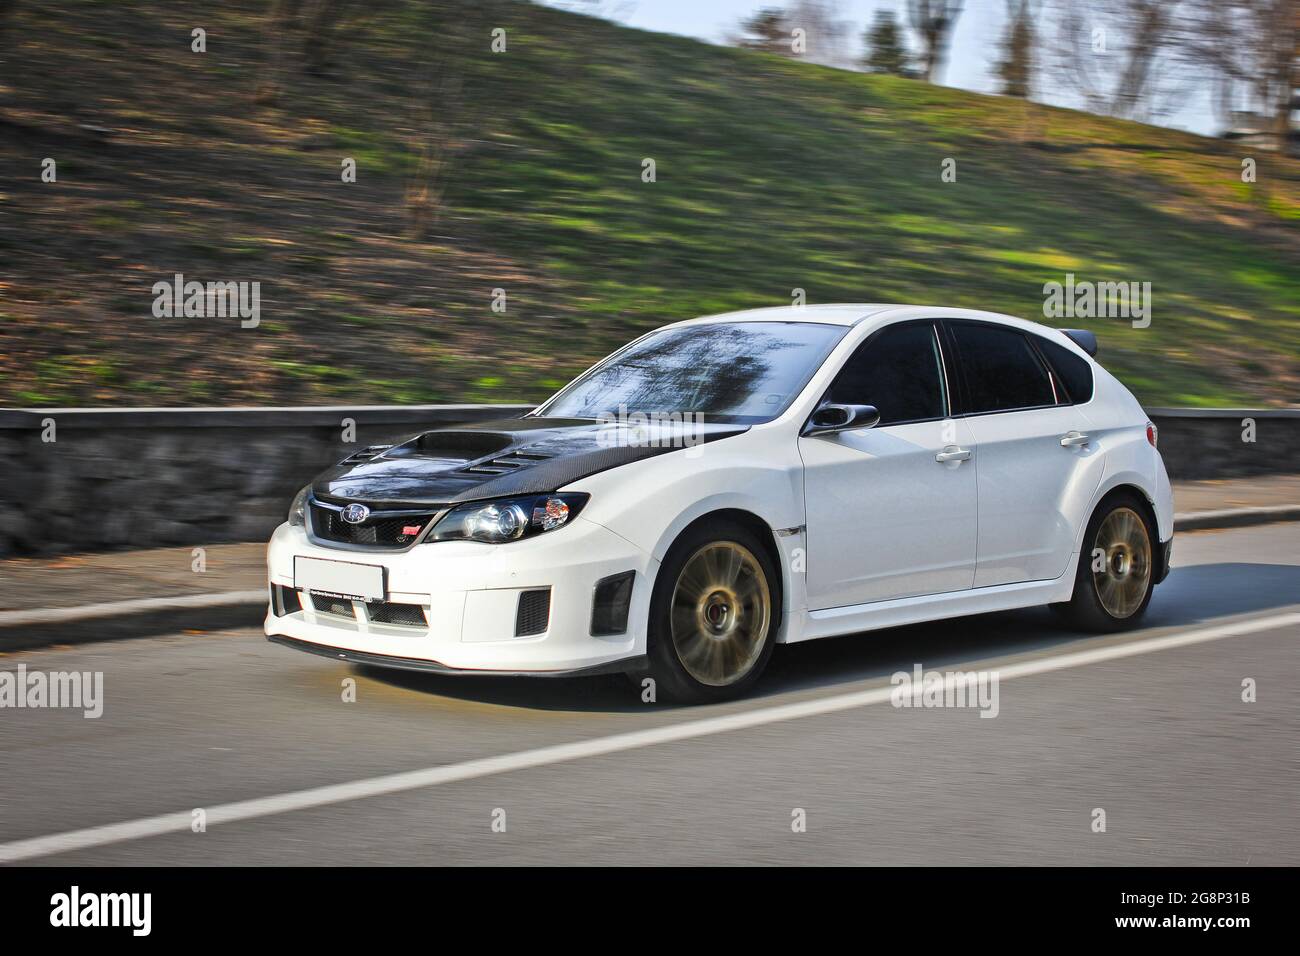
729,483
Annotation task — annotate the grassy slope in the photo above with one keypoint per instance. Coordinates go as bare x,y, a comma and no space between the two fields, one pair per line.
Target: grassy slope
771,175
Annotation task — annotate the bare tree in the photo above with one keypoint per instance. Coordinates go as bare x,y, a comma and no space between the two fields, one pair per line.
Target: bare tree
933,21
308,27
1250,49
283,15
6,11
1016,68
1124,57
825,33
767,30
322,24
446,107
885,51
808,29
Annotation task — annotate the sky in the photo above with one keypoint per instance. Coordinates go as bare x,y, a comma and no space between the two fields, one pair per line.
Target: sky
971,58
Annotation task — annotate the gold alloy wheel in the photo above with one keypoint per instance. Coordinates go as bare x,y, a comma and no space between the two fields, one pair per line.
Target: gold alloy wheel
1122,583
721,611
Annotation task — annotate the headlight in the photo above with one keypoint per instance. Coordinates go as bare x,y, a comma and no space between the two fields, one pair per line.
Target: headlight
298,509
507,519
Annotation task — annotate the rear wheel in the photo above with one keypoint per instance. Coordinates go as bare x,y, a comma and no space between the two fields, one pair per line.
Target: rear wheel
713,615
1115,578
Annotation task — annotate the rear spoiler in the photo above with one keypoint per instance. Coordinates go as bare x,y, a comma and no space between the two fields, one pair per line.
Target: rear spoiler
1082,338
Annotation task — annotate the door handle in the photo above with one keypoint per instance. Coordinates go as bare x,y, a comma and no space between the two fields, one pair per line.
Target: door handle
1074,438
953,453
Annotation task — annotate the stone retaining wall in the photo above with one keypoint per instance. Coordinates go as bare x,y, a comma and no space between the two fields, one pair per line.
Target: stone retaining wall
142,478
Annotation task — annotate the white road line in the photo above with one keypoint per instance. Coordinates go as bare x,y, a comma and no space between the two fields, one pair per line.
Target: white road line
433,776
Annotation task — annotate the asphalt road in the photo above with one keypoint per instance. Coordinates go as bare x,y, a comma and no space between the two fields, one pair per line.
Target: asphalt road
1185,770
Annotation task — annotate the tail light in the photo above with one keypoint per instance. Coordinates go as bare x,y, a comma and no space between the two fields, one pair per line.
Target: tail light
1153,434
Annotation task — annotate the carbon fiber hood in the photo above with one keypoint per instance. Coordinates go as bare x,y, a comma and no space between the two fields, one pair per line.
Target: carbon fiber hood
514,456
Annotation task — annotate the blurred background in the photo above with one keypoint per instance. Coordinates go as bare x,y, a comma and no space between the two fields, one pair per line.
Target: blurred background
795,147
501,234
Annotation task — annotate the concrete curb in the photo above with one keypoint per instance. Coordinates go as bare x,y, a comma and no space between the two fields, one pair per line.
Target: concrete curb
42,627
1235,517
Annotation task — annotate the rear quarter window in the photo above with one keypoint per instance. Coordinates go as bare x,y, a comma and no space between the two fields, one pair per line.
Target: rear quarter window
1071,371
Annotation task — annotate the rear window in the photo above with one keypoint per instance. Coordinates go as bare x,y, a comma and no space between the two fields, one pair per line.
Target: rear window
1001,369
1071,371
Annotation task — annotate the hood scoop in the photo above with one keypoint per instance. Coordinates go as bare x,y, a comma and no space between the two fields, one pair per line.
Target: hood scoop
466,445
365,454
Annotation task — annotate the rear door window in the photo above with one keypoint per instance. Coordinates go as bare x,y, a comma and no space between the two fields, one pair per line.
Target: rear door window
1001,369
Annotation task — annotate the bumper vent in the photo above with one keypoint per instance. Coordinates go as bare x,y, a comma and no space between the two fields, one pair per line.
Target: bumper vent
389,612
534,614
284,600
609,606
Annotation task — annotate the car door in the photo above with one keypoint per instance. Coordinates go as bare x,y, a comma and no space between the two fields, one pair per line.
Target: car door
1036,457
891,509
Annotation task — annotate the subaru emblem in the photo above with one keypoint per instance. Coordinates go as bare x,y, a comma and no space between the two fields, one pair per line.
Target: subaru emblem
355,513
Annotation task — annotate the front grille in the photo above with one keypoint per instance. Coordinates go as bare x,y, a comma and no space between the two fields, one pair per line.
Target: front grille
377,530
390,612
534,612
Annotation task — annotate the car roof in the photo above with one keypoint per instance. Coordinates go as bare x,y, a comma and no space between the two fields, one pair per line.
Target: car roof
870,313
832,314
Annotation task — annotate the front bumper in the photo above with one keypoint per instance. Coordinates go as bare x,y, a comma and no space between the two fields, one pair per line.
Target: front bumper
466,598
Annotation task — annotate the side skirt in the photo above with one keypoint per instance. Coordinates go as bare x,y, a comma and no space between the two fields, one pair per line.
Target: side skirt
834,621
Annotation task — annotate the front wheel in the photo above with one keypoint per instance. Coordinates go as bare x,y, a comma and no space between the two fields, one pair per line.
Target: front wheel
1115,576
714,614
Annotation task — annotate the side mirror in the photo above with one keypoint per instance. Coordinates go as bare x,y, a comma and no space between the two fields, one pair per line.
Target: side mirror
830,419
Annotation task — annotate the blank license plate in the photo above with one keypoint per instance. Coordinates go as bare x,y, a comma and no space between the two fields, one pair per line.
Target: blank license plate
343,579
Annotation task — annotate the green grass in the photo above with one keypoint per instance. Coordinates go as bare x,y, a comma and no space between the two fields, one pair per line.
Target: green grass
771,175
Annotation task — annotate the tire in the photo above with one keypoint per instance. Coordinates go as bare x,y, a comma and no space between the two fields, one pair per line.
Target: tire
714,613
1116,598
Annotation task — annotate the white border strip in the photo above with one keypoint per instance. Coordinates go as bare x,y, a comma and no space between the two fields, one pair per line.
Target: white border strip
686,730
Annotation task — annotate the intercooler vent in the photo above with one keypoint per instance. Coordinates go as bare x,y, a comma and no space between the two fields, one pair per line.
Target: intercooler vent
505,464
534,614
390,612
335,606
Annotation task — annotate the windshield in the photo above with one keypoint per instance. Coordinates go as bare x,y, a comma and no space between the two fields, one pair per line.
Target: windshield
732,372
